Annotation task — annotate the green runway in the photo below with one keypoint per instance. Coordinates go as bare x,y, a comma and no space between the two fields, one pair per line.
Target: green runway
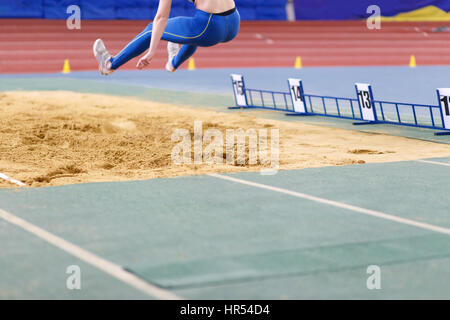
202,237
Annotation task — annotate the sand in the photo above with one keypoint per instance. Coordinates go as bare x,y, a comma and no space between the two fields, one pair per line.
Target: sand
59,138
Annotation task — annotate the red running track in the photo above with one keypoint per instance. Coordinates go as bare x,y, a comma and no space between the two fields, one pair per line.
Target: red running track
42,45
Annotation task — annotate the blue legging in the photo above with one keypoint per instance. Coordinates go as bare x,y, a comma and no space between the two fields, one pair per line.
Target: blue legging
202,30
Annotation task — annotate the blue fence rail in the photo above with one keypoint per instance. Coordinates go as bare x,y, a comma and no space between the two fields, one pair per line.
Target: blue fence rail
364,108
345,108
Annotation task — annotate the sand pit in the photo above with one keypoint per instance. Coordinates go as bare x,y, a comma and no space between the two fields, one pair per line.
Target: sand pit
59,138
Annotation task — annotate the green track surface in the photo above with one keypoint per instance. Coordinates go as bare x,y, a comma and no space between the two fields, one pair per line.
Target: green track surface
203,237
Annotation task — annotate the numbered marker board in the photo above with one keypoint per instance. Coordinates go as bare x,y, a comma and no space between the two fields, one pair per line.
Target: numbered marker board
444,100
239,90
296,90
364,92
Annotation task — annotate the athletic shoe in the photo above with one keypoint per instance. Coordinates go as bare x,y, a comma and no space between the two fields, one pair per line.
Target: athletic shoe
102,55
172,50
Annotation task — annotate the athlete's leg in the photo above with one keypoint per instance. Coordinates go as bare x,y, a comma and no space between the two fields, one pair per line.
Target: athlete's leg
222,29
186,51
183,30
133,49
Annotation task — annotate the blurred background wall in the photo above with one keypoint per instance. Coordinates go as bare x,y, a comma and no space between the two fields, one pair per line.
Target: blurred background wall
131,9
403,10
400,10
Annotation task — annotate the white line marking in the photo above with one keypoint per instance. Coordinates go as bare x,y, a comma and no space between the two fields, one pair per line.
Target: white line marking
435,162
110,268
5,177
339,205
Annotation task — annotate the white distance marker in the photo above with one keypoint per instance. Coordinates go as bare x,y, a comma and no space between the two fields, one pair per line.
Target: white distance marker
296,90
444,101
239,90
364,92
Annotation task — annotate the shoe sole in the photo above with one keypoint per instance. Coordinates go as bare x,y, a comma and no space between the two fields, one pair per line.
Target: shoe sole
94,48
